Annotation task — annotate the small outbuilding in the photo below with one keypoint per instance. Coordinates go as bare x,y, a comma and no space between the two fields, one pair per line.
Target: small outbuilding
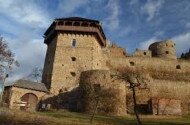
24,95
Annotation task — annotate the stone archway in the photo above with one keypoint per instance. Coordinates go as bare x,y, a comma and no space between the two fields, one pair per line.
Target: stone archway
30,102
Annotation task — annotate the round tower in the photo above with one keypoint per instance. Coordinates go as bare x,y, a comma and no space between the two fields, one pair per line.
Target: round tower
98,84
163,49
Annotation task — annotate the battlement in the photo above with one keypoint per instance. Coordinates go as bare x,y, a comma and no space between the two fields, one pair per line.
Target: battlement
75,25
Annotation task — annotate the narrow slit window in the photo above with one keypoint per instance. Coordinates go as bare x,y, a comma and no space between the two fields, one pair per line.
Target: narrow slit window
74,43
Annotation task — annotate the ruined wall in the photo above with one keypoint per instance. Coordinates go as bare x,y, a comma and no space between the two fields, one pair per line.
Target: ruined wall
110,93
16,94
166,106
170,80
163,49
142,53
155,64
70,60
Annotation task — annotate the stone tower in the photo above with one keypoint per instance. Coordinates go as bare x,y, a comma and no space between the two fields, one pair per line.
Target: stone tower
73,45
163,49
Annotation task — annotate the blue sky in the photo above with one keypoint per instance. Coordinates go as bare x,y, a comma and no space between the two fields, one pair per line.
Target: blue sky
130,23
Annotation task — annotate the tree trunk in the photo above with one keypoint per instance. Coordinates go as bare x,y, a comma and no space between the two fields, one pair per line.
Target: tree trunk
135,106
92,117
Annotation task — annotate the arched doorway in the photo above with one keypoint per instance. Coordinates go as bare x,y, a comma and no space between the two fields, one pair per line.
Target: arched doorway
30,102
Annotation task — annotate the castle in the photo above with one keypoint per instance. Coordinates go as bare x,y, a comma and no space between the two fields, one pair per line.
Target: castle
79,56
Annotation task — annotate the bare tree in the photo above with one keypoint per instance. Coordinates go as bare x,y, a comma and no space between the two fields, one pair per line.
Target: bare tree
7,58
7,61
134,80
36,74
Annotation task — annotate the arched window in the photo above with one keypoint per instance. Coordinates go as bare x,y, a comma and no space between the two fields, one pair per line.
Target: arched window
85,24
68,23
60,23
76,24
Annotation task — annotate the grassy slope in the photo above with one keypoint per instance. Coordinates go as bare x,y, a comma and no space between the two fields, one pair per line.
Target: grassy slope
8,117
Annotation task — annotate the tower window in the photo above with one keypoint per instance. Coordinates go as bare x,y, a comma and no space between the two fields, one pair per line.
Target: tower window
74,43
178,67
144,53
167,52
73,74
132,63
73,58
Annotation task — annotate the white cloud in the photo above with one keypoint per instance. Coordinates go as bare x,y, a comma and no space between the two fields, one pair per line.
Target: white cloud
182,42
144,45
30,54
24,20
26,12
113,9
151,8
68,7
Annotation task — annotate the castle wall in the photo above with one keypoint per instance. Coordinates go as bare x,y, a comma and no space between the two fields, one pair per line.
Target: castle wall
142,53
156,64
169,82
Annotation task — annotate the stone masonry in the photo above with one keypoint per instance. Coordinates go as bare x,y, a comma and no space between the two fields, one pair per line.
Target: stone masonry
78,45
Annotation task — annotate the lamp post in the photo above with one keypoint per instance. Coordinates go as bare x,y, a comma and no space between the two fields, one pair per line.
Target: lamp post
3,86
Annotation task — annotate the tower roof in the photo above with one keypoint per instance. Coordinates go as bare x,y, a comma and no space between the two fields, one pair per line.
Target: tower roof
29,85
75,25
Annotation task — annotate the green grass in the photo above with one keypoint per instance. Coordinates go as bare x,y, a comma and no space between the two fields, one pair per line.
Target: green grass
15,117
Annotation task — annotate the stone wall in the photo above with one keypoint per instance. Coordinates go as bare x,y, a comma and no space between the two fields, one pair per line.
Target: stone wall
166,106
142,53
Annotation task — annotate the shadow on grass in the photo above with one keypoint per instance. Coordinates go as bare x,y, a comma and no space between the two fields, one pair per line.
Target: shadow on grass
116,120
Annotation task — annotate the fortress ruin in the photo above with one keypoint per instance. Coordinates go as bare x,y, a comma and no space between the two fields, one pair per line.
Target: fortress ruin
78,55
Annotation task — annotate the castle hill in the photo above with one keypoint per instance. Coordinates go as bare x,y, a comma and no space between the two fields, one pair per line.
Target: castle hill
86,79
